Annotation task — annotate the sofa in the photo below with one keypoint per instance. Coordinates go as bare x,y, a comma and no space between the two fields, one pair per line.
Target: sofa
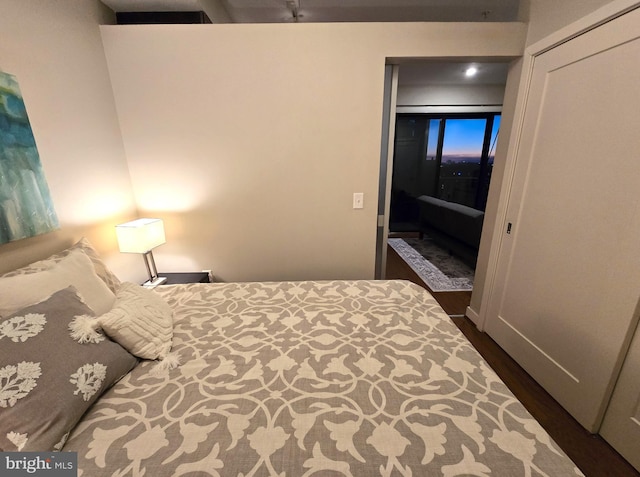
455,227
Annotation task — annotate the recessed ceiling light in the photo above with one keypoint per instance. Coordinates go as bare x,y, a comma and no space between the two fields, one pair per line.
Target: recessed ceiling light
471,71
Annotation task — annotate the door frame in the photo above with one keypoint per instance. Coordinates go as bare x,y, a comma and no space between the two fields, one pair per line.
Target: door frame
591,21
386,167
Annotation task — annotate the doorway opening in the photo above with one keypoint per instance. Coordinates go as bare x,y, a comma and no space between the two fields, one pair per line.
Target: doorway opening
446,130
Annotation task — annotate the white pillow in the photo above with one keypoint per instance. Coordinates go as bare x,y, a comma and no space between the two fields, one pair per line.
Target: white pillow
140,321
74,270
83,244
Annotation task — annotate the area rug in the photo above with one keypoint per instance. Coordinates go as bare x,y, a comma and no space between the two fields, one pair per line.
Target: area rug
439,270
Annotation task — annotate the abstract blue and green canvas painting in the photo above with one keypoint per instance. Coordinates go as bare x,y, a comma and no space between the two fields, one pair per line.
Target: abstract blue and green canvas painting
26,208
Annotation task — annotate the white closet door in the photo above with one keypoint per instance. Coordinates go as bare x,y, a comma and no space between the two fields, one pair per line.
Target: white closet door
621,425
568,273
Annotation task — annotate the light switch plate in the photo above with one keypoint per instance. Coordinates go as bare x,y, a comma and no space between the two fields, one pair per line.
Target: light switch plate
358,200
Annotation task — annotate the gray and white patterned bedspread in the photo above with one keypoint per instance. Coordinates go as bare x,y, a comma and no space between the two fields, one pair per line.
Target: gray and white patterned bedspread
343,378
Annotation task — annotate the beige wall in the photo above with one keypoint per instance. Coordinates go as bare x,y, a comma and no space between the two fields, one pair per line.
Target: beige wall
549,16
55,51
249,140
450,95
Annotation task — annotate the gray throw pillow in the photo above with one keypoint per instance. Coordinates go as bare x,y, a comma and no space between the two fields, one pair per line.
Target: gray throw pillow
47,379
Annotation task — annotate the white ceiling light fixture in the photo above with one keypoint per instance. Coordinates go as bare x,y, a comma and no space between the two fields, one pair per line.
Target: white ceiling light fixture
471,71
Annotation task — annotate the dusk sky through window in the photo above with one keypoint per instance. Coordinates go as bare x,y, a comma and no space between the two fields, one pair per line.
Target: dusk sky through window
463,138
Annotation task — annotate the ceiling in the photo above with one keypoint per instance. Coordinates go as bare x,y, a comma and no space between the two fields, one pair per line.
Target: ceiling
452,73
311,11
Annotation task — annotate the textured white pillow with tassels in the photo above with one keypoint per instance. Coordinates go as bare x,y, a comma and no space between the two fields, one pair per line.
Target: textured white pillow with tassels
140,321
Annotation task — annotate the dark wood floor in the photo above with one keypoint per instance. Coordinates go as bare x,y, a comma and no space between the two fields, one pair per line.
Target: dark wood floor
454,303
591,453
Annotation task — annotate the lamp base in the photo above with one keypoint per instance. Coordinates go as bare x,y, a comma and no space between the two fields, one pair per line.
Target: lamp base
154,283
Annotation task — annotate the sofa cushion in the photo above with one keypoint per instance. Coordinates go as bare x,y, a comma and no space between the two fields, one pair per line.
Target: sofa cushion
456,220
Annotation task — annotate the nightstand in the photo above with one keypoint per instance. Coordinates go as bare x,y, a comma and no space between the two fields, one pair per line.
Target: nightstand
185,277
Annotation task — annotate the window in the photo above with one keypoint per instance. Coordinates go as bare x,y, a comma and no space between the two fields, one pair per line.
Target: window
460,161
449,156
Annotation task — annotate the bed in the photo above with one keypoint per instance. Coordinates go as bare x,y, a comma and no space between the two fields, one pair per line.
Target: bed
345,378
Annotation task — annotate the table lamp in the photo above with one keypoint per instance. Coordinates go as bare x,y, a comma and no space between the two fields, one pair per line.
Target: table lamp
142,236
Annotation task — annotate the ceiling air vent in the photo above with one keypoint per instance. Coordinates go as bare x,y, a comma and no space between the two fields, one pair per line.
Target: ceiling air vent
149,18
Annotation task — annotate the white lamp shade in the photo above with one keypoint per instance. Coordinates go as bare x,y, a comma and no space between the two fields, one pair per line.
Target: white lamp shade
140,236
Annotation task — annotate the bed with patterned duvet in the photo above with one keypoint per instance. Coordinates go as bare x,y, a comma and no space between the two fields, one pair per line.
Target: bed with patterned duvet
322,378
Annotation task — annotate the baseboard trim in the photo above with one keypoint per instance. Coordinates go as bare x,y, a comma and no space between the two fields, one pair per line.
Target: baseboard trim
472,315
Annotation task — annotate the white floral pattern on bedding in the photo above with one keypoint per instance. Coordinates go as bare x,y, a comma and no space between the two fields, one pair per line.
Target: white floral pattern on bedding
47,379
352,378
